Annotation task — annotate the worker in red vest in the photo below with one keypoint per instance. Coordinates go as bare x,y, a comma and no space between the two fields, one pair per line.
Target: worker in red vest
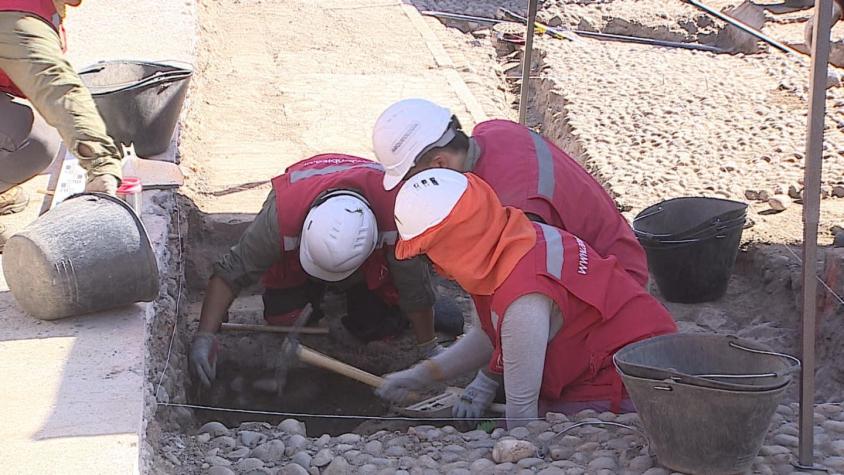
33,67
526,170
552,310
326,223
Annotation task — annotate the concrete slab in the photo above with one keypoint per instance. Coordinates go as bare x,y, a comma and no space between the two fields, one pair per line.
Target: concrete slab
73,389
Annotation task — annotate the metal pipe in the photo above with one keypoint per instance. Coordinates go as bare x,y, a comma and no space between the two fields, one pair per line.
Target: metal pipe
745,28
811,213
458,16
526,61
649,41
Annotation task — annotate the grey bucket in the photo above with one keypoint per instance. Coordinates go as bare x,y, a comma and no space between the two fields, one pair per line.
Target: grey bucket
716,361
701,429
139,101
90,253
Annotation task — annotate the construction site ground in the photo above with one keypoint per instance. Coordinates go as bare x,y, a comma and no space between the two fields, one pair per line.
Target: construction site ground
279,81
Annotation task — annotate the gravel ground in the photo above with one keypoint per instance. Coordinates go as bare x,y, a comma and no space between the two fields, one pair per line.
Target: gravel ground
257,448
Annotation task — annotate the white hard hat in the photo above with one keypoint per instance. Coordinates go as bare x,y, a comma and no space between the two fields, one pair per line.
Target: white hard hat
339,234
426,199
404,131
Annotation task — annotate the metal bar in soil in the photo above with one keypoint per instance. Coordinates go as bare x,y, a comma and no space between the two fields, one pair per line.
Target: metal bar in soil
244,327
526,61
741,26
811,213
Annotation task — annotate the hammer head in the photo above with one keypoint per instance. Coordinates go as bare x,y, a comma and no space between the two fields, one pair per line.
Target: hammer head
289,349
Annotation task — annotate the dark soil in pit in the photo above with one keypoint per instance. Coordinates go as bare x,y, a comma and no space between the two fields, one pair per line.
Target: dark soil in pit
308,391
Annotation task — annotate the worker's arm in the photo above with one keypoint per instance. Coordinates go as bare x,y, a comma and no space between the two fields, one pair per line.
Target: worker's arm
528,324
31,55
412,278
258,248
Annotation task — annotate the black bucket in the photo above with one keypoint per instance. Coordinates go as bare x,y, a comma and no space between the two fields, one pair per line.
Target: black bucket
680,218
694,270
139,101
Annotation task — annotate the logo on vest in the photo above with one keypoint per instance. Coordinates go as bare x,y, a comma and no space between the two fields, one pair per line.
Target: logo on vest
583,257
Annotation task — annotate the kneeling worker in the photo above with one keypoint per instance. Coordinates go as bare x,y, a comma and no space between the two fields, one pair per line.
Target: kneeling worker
326,222
552,310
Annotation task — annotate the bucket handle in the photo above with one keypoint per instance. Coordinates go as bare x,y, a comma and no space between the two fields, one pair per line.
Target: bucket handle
795,367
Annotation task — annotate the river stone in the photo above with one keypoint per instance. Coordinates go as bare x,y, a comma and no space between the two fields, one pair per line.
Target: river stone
520,432
215,460
343,448
599,463
338,466
302,458
502,468
238,453
249,464
220,470
322,458
530,462
510,450
251,438
349,439
482,466
293,469
295,444
498,433
641,463
203,438
395,451
272,451
561,453
292,426
214,428
223,442
834,426
551,471
657,471
374,447
475,435
368,469
427,461
786,440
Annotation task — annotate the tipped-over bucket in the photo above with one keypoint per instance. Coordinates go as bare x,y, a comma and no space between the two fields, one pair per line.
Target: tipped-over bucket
139,101
716,361
90,253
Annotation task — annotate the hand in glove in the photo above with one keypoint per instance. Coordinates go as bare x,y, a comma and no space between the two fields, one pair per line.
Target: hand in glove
398,386
476,398
102,184
431,348
203,357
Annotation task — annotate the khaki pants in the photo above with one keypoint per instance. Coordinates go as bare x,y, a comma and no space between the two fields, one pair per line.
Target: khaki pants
27,144
31,55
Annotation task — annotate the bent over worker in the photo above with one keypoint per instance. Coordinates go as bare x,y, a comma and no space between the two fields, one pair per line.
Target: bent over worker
327,221
526,170
552,310
33,67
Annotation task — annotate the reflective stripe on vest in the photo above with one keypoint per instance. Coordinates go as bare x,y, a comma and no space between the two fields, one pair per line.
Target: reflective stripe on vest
545,166
299,175
553,250
386,238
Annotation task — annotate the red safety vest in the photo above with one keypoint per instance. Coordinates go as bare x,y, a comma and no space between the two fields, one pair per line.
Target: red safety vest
297,190
532,174
603,310
43,9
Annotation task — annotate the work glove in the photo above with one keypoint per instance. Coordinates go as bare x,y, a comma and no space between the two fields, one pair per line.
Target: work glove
203,357
398,386
476,398
102,184
429,349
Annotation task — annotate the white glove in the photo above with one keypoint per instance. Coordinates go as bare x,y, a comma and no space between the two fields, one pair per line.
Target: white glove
398,386
203,357
476,398
102,184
